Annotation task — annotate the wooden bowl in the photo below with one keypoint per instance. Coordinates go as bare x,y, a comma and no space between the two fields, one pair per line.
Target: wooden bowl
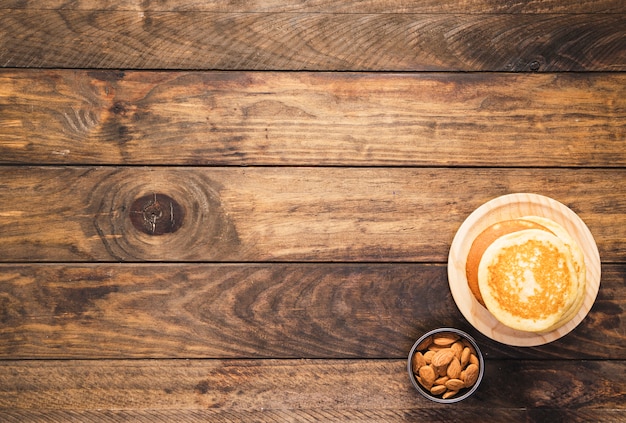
507,207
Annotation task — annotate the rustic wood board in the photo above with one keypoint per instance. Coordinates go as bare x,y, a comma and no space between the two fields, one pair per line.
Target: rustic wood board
311,41
279,214
309,213
346,6
346,119
328,310
311,389
327,415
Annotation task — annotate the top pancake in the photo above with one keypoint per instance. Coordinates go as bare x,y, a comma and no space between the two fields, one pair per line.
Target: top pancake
484,240
528,279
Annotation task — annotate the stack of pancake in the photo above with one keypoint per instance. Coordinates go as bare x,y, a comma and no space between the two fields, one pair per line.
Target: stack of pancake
528,272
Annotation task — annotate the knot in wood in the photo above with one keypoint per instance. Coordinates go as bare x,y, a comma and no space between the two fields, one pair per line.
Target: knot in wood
119,108
156,214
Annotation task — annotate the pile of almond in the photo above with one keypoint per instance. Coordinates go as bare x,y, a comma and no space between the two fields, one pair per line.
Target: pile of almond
444,364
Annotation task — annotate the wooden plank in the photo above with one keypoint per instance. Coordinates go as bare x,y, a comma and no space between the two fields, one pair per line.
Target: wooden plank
312,41
299,415
271,416
330,415
276,214
260,310
310,389
316,6
250,118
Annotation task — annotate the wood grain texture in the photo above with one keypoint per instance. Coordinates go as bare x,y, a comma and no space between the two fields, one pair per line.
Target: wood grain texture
346,119
313,6
312,389
190,231
281,214
277,416
327,415
312,41
220,310
260,310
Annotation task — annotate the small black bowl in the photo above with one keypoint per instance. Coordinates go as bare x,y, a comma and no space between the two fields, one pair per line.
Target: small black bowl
463,393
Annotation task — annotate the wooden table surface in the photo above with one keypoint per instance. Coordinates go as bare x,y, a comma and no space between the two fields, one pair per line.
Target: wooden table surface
242,211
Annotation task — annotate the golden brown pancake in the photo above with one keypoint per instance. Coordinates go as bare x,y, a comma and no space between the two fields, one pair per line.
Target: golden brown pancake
528,280
484,240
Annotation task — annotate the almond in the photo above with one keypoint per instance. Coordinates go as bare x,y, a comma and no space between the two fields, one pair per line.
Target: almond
425,344
428,356
441,380
441,370
465,356
471,375
457,347
454,369
445,339
449,394
442,357
438,389
455,384
434,347
418,361
473,359
428,376
471,348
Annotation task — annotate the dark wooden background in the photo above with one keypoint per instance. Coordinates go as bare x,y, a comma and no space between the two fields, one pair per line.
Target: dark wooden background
310,162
